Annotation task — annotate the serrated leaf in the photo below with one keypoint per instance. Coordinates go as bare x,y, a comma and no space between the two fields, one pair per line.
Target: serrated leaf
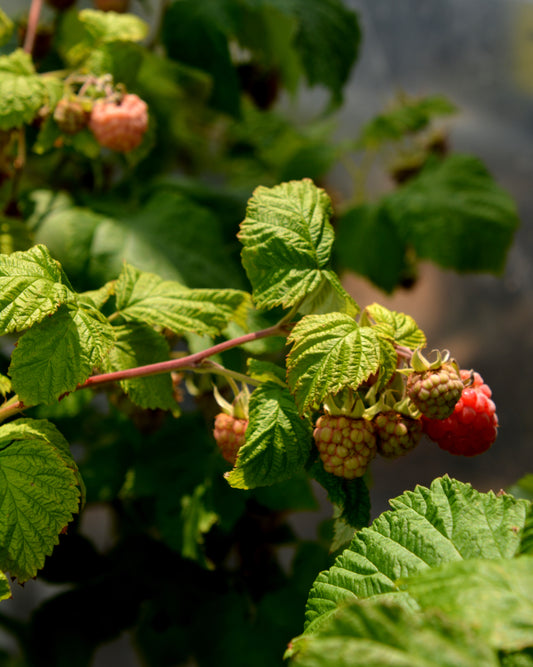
39,494
22,93
287,240
278,440
5,590
493,596
404,329
427,527
408,115
59,353
147,298
137,344
455,214
329,352
375,633
32,286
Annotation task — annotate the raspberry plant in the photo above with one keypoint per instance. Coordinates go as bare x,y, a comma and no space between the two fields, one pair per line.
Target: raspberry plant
189,358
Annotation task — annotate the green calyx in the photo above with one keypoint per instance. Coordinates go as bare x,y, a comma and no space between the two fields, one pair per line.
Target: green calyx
420,363
346,403
238,408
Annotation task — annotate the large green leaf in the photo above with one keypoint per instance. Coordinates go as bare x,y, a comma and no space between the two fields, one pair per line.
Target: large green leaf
138,344
327,41
59,353
329,353
376,633
22,93
287,239
145,297
196,34
427,527
32,286
454,214
369,244
493,596
278,440
39,494
171,236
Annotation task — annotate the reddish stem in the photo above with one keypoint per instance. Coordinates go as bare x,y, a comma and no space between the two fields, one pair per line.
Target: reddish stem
33,22
176,364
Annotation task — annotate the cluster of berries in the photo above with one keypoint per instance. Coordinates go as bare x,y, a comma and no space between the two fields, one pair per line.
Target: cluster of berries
452,407
116,124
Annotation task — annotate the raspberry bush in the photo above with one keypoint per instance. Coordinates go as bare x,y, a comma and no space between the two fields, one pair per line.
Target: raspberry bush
181,359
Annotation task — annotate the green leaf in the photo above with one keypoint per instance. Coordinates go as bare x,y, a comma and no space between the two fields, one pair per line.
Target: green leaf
84,35
405,330
53,357
327,41
32,286
137,344
329,352
427,527
369,244
376,633
5,385
6,28
22,93
171,236
147,298
287,239
526,544
266,371
196,34
278,440
350,498
14,235
454,214
407,115
493,596
39,494
523,488
5,590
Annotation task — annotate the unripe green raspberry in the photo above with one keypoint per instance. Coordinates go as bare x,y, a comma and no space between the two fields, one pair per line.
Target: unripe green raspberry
345,445
436,391
396,434
229,433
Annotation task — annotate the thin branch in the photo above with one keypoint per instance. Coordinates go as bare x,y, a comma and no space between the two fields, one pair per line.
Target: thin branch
190,361
33,22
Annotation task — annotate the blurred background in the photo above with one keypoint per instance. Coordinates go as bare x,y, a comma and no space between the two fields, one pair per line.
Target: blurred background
480,55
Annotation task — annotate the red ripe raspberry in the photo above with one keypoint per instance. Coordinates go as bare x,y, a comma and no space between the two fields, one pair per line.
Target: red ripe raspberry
435,391
473,425
70,116
346,445
396,433
229,435
119,127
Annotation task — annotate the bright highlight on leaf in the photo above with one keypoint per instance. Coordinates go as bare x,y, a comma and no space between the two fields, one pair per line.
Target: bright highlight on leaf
39,494
404,329
287,240
427,527
145,297
279,442
56,355
330,352
32,286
